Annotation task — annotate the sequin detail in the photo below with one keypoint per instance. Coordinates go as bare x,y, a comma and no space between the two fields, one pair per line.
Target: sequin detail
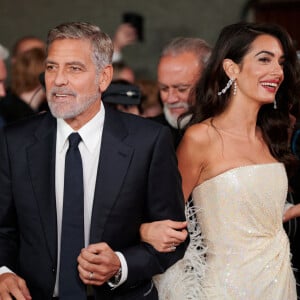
248,253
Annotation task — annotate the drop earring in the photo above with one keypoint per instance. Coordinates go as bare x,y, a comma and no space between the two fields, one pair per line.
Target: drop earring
234,87
228,85
275,104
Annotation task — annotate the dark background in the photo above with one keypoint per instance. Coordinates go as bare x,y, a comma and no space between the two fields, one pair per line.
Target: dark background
164,19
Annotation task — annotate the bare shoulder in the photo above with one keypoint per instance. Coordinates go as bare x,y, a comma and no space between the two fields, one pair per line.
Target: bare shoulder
193,154
196,144
199,134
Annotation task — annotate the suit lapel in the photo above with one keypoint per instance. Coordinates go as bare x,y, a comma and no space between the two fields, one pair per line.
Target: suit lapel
114,161
41,161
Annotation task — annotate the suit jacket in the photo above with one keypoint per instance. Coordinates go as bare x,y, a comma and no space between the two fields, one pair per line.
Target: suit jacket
137,181
176,133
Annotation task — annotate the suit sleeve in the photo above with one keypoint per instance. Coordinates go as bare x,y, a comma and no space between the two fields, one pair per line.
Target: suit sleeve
8,220
164,201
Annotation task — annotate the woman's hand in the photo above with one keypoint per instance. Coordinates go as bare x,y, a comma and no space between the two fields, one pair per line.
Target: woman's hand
292,212
164,235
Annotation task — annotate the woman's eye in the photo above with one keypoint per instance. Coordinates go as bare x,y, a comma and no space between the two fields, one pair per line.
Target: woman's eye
264,59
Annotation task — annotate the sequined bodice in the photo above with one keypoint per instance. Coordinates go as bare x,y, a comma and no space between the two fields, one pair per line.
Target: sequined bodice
241,220
243,252
241,204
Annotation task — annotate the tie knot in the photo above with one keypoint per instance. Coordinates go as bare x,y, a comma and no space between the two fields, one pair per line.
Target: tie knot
74,140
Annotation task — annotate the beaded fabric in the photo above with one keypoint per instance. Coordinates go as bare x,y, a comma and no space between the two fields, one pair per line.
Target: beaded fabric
247,253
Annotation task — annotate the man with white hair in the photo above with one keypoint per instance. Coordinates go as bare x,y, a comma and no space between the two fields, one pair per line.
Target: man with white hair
180,66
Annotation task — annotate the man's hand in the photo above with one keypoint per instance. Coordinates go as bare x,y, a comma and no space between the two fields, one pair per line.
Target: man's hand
125,35
97,264
12,285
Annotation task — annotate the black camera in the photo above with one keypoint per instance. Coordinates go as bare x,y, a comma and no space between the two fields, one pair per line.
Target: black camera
137,21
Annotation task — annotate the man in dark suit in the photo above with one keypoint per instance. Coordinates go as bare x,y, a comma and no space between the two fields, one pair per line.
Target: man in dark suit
128,176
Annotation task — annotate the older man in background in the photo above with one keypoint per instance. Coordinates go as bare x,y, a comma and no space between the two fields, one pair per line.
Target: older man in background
180,66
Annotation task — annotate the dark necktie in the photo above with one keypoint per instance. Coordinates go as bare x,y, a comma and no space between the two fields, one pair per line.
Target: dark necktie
72,234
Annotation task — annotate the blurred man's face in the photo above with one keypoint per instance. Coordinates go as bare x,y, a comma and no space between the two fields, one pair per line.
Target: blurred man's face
177,76
3,75
29,44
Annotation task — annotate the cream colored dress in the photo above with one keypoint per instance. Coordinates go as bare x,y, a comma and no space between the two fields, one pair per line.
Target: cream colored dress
247,255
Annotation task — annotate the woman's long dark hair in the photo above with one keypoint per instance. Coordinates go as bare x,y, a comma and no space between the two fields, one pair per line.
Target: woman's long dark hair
233,43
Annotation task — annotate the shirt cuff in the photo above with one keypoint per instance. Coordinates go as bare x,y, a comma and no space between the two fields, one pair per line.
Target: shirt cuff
5,270
124,271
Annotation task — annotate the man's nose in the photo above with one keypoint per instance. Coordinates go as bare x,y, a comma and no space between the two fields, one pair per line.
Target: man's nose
61,78
172,96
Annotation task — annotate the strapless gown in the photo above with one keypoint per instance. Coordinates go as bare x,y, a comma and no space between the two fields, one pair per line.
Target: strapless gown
243,251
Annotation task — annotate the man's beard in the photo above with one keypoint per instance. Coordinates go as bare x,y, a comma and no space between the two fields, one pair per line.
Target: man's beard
71,108
172,119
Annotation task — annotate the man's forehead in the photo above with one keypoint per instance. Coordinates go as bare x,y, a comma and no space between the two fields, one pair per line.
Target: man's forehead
182,57
68,44
69,50
176,66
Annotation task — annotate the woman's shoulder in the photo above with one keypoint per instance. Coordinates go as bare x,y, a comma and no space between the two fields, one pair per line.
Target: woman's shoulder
200,133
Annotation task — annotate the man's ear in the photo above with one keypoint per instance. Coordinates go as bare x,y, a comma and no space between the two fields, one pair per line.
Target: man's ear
105,78
231,68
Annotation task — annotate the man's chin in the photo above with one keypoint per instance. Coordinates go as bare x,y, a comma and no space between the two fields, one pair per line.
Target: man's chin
176,113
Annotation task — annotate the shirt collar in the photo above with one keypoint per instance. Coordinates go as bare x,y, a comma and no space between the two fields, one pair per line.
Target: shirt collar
90,132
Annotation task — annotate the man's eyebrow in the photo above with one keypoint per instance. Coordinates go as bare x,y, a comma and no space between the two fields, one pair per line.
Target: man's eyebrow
49,61
70,63
75,62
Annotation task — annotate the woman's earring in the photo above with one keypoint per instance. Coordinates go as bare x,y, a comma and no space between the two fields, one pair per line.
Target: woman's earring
234,87
228,85
275,104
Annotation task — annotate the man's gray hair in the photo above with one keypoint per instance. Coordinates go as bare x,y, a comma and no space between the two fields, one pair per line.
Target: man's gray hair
101,43
4,53
181,45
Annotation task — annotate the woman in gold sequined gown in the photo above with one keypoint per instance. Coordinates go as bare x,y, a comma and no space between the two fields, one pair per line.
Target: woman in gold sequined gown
233,160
